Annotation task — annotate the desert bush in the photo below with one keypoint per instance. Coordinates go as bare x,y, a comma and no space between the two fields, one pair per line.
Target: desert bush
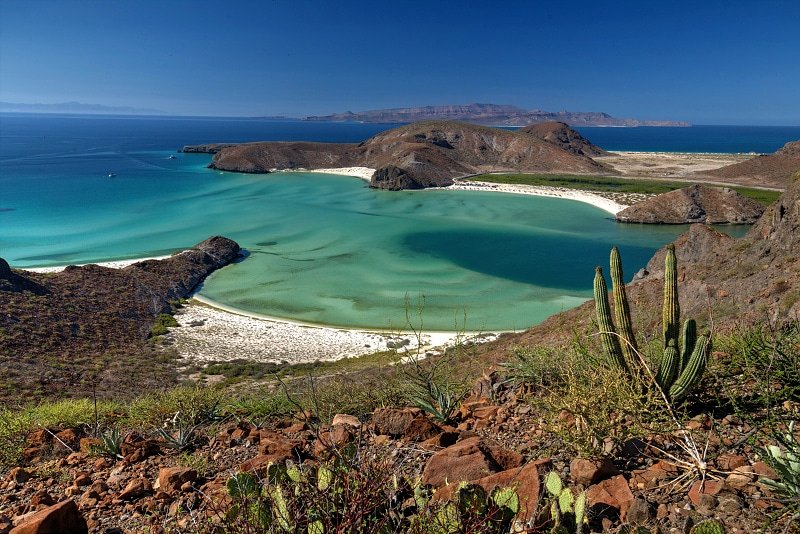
162,323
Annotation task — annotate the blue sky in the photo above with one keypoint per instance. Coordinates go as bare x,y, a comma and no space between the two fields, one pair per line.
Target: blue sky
706,62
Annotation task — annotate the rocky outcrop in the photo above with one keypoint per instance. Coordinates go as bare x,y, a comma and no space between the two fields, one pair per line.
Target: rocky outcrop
772,170
211,148
561,135
424,154
694,204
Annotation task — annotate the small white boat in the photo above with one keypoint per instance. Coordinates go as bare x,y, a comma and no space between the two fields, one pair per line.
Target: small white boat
172,157
112,174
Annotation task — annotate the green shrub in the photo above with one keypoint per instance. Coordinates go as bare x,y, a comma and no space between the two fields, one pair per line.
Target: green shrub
162,322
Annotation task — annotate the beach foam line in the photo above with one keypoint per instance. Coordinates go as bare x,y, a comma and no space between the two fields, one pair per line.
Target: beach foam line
597,201
116,264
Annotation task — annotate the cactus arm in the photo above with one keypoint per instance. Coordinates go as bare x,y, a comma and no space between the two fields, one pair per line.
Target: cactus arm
671,309
668,369
688,341
622,312
604,322
691,375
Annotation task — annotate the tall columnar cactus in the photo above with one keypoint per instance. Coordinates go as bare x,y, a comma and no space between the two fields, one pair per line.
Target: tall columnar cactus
684,359
622,312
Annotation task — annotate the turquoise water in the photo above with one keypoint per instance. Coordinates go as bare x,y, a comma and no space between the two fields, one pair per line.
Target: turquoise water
322,248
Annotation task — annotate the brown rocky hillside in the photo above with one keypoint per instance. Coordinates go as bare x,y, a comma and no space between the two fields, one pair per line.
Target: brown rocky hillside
772,170
561,135
59,329
694,204
424,154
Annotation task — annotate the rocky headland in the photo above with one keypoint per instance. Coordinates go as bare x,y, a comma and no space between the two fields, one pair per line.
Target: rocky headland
424,154
694,204
88,326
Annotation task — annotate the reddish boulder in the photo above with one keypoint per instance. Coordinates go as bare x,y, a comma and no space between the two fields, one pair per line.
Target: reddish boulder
613,492
172,478
344,419
587,472
61,518
136,488
704,487
468,460
393,421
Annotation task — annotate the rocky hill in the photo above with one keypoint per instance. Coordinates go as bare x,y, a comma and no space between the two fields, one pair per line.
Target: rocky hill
561,135
694,204
771,170
424,154
58,330
490,114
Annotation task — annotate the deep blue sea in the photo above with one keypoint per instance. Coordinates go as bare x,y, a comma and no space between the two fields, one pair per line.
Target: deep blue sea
323,248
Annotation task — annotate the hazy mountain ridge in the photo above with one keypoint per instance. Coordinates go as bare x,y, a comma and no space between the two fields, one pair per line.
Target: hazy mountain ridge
489,114
76,107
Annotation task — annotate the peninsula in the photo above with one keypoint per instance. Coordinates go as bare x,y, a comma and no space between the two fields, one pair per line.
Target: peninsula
423,154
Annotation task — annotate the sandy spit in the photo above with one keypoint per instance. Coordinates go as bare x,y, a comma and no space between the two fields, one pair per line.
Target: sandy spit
542,191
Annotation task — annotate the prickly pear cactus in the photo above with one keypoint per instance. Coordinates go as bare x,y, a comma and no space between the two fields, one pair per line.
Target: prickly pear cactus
711,526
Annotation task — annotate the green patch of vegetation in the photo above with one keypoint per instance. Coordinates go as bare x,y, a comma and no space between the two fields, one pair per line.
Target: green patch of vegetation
612,184
162,322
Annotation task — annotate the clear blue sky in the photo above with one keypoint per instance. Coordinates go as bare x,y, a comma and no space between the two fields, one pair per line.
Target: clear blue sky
708,62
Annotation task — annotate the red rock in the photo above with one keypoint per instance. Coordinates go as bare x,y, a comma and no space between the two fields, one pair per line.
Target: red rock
443,439
277,444
704,487
82,479
524,480
729,462
19,475
42,498
260,464
741,477
420,429
344,419
464,461
136,488
468,460
37,438
763,470
61,518
172,478
469,406
587,472
68,437
485,412
393,421
613,492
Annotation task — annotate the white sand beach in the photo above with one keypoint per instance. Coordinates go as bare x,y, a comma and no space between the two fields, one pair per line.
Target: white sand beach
208,333
365,173
119,264
542,191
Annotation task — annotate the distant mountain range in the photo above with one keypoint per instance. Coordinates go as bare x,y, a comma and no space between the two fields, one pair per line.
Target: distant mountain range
489,114
76,107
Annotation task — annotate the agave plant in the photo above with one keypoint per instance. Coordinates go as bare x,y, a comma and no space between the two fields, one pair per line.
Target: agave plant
182,439
787,464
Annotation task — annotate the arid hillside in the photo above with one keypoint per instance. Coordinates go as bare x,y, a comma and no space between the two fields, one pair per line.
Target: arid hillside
772,170
424,154
87,326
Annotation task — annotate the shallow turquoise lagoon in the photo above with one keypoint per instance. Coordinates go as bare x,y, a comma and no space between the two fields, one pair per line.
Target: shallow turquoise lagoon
323,248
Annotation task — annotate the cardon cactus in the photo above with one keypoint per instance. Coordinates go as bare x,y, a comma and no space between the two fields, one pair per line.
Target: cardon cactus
684,360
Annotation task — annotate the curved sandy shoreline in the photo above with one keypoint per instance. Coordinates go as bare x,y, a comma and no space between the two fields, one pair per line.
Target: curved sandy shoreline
365,173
